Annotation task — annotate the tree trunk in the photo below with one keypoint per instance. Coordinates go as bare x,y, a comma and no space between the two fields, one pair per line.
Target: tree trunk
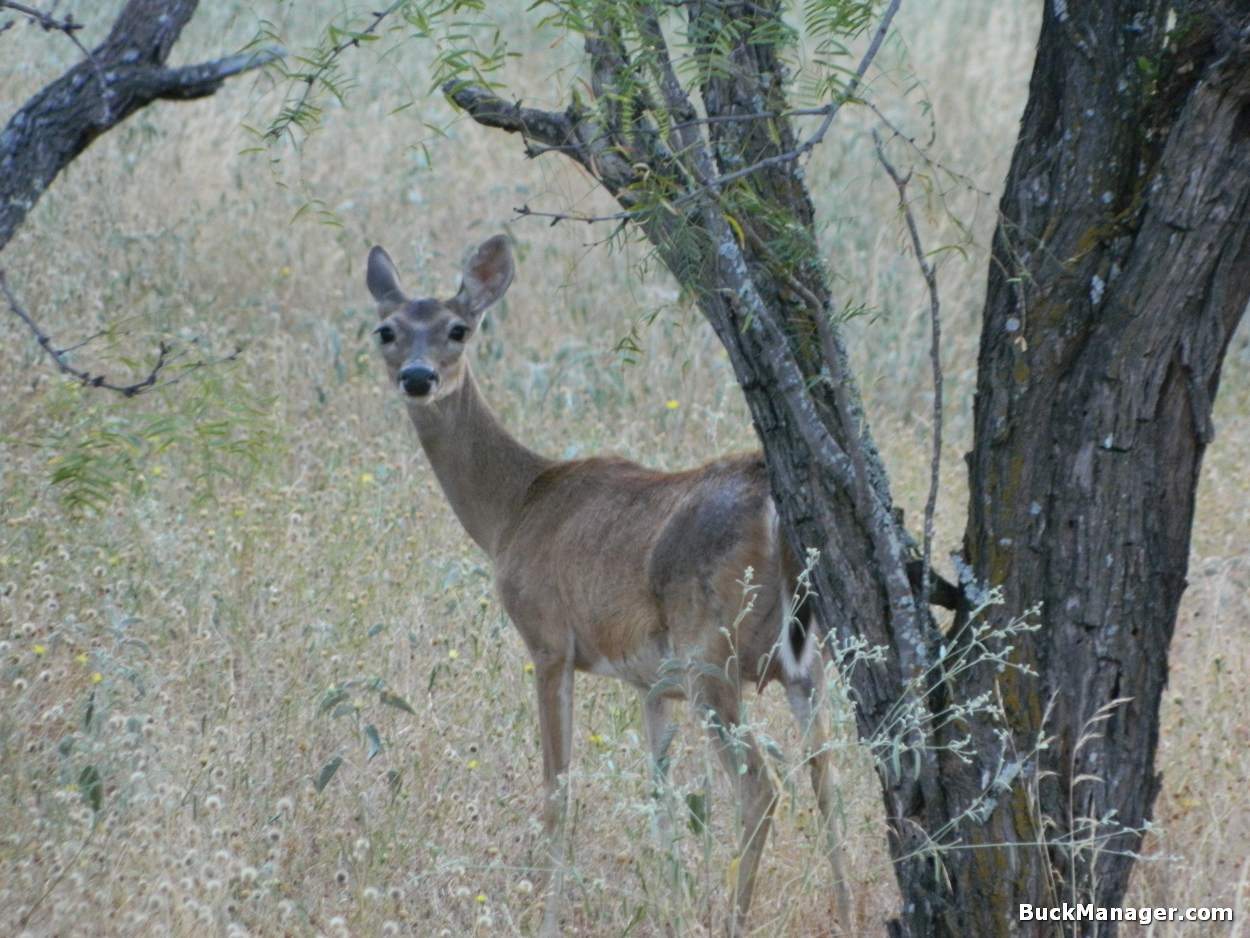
123,74
1121,267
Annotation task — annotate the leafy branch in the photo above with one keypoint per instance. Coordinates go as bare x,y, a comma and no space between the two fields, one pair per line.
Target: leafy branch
302,113
574,133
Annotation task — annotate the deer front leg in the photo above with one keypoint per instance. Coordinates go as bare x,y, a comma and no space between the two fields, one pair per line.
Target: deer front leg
554,675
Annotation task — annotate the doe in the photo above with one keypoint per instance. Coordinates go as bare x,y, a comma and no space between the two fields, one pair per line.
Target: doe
607,567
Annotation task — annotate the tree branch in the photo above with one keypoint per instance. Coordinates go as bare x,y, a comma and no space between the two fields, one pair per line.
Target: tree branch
165,355
489,110
550,128
46,21
935,355
199,81
125,73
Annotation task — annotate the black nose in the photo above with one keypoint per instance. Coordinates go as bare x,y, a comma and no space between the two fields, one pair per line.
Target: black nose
417,380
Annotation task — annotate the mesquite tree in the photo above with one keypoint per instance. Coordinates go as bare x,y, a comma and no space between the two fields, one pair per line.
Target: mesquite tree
1120,269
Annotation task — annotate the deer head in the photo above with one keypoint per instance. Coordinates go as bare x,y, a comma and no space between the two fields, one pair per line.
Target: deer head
423,340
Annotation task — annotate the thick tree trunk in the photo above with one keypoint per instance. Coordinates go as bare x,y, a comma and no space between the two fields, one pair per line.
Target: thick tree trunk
124,73
1121,266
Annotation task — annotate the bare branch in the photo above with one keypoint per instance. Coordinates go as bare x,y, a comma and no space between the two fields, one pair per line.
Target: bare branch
45,20
935,353
553,129
525,211
165,356
922,151
575,132
198,81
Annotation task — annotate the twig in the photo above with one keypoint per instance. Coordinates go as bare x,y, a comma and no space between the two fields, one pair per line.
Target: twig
47,21
962,178
165,355
935,350
525,211
310,79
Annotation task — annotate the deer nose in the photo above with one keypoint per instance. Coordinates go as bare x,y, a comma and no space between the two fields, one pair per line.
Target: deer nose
417,380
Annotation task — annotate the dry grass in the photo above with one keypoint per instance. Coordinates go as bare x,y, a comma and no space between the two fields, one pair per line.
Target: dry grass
181,640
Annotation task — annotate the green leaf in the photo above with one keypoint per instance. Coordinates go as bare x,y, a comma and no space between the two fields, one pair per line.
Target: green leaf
91,786
374,741
333,697
327,772
394,700
696,803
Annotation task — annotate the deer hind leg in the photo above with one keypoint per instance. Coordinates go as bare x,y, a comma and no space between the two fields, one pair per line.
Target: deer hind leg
554,680
805,694
742,757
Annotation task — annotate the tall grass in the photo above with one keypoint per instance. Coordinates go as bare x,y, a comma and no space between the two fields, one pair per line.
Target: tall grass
210,594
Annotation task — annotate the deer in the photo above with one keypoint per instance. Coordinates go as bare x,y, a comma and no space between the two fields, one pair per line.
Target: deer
607,567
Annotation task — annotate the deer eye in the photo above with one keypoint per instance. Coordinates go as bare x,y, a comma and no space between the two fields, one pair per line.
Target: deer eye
458,333
385,334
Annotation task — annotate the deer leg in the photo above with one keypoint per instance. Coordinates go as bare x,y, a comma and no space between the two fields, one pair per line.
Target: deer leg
554,679
658,723
805,695
743,759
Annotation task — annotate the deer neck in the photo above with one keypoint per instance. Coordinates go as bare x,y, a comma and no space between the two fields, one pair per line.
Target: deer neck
483,470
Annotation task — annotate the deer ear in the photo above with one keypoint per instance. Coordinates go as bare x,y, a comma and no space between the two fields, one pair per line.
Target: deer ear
487,274
383,281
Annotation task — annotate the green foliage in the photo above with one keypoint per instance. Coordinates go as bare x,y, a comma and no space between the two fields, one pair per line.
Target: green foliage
91,786
212,429
466,44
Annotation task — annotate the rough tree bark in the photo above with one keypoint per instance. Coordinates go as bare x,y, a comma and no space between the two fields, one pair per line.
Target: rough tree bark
1121,268
123,74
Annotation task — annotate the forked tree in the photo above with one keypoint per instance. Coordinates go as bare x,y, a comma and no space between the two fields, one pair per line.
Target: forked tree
1120,269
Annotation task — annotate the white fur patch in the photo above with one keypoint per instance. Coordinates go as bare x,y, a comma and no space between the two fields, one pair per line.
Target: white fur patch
795,668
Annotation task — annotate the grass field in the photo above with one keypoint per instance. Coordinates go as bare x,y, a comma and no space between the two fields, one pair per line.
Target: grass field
205,591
